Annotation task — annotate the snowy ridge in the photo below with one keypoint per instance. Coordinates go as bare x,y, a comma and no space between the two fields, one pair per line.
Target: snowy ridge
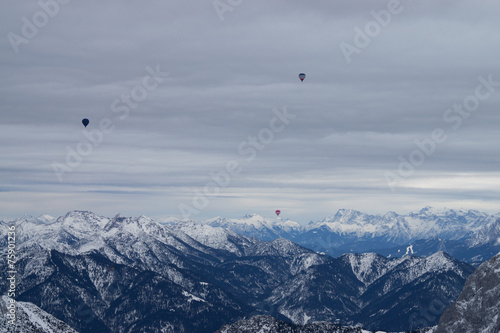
370,266
427,223
217,238
297,257
488,233
416,267
31,319
253,225
80,231
278,247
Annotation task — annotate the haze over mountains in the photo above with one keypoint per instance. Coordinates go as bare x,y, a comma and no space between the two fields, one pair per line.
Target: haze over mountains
126,274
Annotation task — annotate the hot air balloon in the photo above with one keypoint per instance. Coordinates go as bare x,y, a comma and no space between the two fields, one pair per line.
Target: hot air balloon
302,76
278,212
85,122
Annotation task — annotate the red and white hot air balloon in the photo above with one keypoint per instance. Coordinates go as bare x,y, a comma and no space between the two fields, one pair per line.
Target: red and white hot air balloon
278,212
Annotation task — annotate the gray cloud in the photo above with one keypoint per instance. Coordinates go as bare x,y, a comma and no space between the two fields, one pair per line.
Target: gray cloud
353,121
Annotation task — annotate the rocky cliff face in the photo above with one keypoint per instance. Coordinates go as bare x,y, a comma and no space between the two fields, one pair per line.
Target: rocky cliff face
477,309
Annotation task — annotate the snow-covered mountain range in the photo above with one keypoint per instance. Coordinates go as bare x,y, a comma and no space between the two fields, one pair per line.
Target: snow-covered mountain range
251,225
471,236
427,223
125,274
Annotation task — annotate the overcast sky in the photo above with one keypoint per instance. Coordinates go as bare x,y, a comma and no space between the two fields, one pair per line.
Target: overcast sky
196,109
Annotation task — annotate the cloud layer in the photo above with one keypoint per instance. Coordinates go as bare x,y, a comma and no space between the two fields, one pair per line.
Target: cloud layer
382,77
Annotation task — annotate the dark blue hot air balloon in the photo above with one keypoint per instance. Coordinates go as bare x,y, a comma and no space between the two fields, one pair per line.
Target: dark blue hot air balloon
85,122
302,76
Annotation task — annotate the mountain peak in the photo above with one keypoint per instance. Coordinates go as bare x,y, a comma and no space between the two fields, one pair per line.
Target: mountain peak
215,220
349,216
81,214
390,215
253,217
347,212
131,224
82,220
45,218
427,210
283,241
